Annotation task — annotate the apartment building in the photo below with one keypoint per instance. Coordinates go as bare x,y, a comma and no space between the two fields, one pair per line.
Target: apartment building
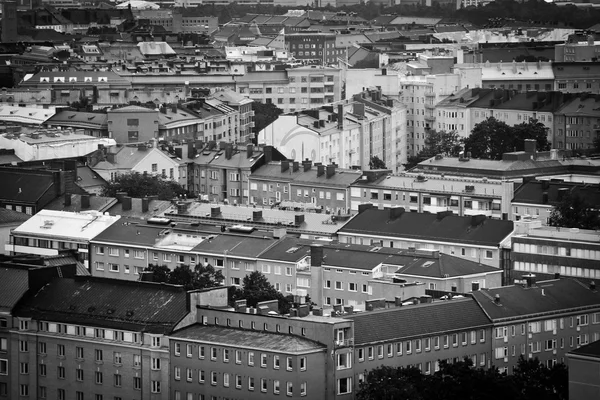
418,192
243,107
477,238
537,198
553,251
576,77
447,330
313,47
294,185
577,123
522,77
294,89
545,320
84,336
348,134
49,232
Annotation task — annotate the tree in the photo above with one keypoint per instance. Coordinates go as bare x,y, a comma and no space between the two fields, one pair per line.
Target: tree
491,138
534,380
201,277
388,383
376,163
142,185
411,162
256,288
574,211
442,142
264,115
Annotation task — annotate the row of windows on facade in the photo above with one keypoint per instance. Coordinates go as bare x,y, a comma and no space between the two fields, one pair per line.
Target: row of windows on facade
238,381
557,250
291,90
549,325
553,269
26,209
265,327
117,268
441,201
419,345
47,244
238,356
61,394
549,345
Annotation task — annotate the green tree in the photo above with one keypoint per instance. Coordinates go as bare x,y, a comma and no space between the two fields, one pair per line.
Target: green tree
533,129
574,211
256,288
489,139
160,273
440,142
534,380
142,185
376,163
411,162
264,115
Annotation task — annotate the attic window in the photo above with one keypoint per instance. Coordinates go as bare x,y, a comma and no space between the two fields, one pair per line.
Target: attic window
44,79
87,79
102,79
520,73
535,73
59,79
72,79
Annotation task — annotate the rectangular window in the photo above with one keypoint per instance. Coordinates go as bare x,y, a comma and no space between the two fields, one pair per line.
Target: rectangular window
344,386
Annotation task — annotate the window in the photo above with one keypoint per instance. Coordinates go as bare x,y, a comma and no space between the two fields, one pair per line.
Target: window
263,385
3,367
99,355
137,383
99,378
137,360
155,386
344,385
250,358
23,390
303,363
263,360
79,353
23,346
60,372
155,363
79,374
226,379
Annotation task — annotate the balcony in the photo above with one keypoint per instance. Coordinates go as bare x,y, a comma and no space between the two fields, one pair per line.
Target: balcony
429,118
429,106
433,209
9,247
430,94
344,343
470,211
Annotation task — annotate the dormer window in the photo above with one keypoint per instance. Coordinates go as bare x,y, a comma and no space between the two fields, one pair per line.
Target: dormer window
102,79
87,79
45,79
59,79
72,79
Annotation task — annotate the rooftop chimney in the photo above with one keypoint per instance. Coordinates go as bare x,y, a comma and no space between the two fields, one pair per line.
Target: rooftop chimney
363,207
497,299
316,255
215,212
268,150
145,204
340,116
530,279
395,212
307,164
285,165
67,199
477,219
249,151
126,203
295,166
530,147
298,219
229,151
320,170
592,285
85,201
142,147
330,170
256,215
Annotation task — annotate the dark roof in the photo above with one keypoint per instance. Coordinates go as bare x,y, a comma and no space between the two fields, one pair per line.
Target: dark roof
342,177
12,217
452,229
66,259
445,266
155,207
236,246
574,70
110,303
532,192
543,297
14,283
418,320
245,338
98,203
25,186
589,350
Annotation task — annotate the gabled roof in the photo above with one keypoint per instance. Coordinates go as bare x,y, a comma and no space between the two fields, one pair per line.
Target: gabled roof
342,178
231,97
128,157
446,266
265,341
25,115
79,119
12,217
110,303
156,48
14,283
26,187
417,320
421,226
235,246
584,107
574,70
130,109
589,350
544,297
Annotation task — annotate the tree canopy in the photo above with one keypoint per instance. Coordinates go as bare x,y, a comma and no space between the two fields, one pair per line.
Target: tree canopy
574,211
376,163
462,381
436,142
201,277
491,138
264,115
140,185
256,288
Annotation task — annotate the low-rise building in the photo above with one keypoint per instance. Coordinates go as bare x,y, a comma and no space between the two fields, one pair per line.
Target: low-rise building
419,192
476,238
49,232
544,320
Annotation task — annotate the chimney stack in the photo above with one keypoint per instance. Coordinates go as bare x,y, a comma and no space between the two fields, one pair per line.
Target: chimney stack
340,116
592,285
215,212
530,147
256,215
126,203
67,199
249,151
330,170
145,204
285,165
298,219
395,212
316,255
530,279
307,164
497,299
85,201
320,170
228,151
295,166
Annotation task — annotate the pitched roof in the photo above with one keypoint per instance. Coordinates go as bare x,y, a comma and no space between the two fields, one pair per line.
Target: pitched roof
26,187
79,119
342,177
155,207
12,217
13,285
155,48
445,266
532,192
417,320
110,303
98,203
130,109
266,341
449,229
235,246
546,296
589,350
25,115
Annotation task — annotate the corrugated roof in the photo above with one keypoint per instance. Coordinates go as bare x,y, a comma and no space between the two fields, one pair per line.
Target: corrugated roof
110,303
450,229
266,341
418,320
547,296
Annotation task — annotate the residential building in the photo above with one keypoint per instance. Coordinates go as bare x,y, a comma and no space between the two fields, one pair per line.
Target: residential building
453,113
49,232
87,336
347,134
92,124
446,330
313,47
138,158
580,51
522,77
243,106
537,198
132,124
553,251
545,320
577,124
30,117
584,364
576,77
476,238
292,185
294,89
30,190
420,192
81,202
